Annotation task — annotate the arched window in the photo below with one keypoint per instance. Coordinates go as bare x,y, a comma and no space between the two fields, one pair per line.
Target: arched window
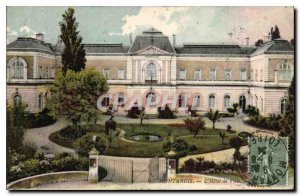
181,100
242,103
105,101
150,98
211,101
121,99
52,72
285,71
47,73
17,100
283,106
17,67
41,101
151,75
256,101
226,101
196,101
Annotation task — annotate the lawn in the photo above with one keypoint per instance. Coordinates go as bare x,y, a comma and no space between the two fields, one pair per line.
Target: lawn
207,141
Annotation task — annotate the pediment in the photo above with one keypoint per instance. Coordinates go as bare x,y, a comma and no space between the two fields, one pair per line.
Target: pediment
151,50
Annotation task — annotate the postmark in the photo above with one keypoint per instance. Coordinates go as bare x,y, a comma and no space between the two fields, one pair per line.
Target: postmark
268,161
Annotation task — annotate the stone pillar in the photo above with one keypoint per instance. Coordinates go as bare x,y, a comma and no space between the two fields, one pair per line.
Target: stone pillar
93,166
171,164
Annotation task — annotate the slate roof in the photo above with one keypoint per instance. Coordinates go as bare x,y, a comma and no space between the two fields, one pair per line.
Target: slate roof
214,49
30,44
154,38
274,47
106,49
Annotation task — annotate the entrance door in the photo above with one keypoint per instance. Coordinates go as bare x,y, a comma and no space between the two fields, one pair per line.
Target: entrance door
242,103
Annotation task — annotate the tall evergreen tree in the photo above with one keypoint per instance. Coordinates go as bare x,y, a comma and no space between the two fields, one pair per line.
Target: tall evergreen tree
288,122
275,33
73,56
259,42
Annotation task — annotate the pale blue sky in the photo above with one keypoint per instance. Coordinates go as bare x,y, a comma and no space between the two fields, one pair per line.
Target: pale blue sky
190,24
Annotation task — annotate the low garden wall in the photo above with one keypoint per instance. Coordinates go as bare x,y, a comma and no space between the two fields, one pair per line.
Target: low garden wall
48,178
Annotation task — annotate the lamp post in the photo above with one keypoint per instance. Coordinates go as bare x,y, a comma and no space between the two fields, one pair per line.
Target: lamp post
171,161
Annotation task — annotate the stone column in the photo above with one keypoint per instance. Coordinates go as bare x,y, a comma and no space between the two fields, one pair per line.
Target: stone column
171,164
93,166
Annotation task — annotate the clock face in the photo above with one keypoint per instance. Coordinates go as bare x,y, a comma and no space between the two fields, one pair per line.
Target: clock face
268,161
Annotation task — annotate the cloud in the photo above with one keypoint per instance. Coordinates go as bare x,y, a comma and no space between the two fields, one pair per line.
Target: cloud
156,17
27,31
211,24
10,34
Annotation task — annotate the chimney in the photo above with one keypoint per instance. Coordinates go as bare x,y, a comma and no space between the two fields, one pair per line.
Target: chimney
39,36
247,41
174,39
130,38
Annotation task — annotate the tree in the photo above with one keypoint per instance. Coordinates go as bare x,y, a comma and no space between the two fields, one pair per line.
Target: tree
275,33
236,143
287,123
234,109
194,126
213,116
16,122
222,135
73,56
74,96
110,126
259,42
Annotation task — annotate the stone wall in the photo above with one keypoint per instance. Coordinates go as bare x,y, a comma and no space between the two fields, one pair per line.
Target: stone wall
48,178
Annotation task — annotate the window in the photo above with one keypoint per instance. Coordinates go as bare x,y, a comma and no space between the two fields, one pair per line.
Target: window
151,98
283,106
256,101
211,101
243,74
40,71
212,74
121,74
242,102
261,104
181,101
226,101
252,75
151,72
182,74
285,72
41,101
53,72
256,73
106,73
261,75
197,75
17,68
196,101
105,102
17,100
47,73
227,74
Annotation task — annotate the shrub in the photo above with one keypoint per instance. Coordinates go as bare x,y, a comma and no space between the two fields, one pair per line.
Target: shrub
84,144
134,112
167,113
41,119
272,122
252,111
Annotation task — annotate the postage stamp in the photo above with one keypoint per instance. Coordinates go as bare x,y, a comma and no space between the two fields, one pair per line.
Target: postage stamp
268,161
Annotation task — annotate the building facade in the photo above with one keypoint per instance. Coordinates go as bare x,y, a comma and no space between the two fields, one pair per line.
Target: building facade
210,75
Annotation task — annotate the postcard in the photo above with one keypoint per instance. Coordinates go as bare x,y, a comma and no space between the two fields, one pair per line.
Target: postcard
150,98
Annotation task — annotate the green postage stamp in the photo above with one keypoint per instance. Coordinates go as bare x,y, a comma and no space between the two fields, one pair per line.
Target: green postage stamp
268,158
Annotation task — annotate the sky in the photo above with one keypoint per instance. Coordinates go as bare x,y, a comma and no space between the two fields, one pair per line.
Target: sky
189,24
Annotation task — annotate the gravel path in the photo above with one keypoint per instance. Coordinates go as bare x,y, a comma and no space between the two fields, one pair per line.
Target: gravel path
40,138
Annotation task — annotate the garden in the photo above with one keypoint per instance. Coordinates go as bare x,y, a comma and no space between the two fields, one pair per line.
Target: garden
125,143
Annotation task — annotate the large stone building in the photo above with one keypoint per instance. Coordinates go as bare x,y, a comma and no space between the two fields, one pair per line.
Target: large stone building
217,75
